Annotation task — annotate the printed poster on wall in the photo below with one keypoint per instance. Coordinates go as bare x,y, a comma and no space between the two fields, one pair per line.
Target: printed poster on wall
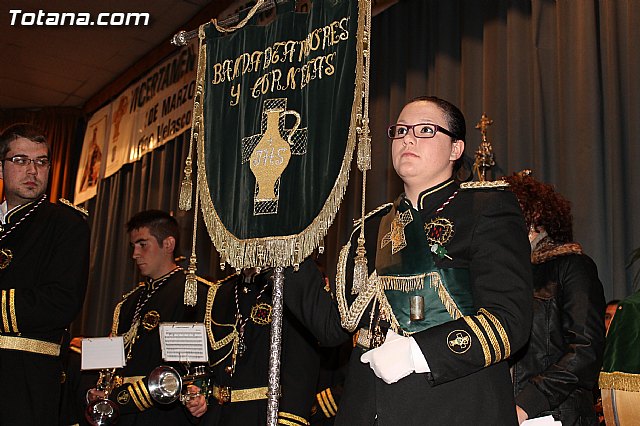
92,155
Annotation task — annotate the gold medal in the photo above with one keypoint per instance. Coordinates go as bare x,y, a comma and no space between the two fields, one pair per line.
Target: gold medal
151,320
439,232
261,314
5,258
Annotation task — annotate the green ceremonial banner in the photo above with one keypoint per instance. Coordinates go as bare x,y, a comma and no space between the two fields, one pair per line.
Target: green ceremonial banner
277,113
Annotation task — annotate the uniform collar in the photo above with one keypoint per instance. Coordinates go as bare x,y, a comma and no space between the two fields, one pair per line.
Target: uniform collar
152,284
15,213
432,198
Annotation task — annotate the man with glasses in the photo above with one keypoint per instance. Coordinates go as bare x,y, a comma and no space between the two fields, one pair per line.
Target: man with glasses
445,294
44,261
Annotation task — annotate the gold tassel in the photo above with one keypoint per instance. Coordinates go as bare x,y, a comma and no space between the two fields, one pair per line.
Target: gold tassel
191,284
186,188
360,271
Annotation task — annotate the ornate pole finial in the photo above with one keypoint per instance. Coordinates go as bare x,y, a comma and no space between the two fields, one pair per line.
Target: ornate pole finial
484,154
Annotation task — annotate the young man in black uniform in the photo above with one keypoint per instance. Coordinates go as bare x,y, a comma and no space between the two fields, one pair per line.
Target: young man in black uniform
44,261
154,237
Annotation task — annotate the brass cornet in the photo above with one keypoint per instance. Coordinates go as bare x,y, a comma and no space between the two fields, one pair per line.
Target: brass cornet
103,411
166,385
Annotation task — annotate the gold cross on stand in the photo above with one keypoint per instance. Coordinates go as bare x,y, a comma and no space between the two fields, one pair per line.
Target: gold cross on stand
484,154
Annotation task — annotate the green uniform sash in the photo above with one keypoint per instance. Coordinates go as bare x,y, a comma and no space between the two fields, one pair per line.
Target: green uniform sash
406,268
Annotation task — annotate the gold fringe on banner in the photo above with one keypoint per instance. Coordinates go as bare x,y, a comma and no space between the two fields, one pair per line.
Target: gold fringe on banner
287,250
620,381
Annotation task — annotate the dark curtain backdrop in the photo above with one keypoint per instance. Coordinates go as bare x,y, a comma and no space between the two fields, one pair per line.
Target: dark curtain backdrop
559,79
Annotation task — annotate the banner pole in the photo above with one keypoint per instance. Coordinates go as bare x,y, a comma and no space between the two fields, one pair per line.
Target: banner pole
273,395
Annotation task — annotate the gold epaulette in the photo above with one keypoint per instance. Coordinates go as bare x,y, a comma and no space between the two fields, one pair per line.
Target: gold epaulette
82,210
487,184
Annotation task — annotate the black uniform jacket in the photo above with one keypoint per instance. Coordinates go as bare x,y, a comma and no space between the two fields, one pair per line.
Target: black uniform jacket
469,384
558,368
299,362
137,407
45,254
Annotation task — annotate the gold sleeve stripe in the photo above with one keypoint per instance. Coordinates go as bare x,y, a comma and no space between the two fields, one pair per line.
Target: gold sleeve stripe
501,332
492,337
138,396
12,310
483,342
145,393
134,398
5,315
291,419
327,396
322,404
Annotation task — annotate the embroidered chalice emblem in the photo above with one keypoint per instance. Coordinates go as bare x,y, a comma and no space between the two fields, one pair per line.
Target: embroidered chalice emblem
269,152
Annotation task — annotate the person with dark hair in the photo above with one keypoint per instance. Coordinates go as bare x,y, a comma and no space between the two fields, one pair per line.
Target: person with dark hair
160,298
609,313
555,373
439,293
44,264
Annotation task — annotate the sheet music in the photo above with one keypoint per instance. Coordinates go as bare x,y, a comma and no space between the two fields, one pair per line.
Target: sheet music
183,342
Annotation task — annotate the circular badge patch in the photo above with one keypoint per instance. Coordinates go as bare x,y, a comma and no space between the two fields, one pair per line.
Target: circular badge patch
151,320
459,341
123,397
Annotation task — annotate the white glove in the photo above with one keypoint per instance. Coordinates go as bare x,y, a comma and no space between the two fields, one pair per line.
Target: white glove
394,359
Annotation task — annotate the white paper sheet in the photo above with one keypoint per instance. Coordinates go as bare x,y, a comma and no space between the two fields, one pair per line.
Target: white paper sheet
102,352
542,421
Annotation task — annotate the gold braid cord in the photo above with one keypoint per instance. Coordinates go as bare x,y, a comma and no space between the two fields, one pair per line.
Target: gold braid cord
373,290
242,23
285,250
233,336
186,188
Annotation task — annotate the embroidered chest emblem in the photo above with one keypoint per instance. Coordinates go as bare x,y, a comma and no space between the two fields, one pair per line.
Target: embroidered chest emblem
396,236
439,231
5,258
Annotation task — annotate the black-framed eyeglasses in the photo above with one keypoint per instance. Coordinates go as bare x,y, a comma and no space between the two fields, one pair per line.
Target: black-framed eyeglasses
23,161
421,130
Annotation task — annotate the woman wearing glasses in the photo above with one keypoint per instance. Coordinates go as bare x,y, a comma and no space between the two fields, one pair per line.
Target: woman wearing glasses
448,293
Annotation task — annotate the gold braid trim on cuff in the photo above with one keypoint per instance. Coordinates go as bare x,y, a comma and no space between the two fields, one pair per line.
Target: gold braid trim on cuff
327,403
483,341
619,381
12,310
5,315
24,344
503,334
492,337
290,419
